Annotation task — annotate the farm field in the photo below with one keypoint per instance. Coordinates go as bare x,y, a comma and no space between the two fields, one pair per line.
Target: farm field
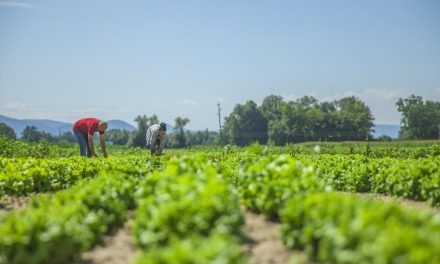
349,202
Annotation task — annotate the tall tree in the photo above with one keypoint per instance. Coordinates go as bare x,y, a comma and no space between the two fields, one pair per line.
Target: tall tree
138,137
420,119
180,136
66,137
271,107
31,134
353,119
152,120
245,125
118,136
7,131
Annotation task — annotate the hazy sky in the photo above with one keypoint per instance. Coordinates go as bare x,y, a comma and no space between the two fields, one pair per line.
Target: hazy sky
64,60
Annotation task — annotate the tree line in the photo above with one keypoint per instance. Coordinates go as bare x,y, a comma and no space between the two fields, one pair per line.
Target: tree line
277,122
137,138
280,122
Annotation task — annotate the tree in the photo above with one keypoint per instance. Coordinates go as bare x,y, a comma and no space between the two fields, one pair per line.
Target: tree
31,134
66,136
118,136
353,119
205,138
180,136
138,137
271,107
420,119
278,132
245,125
7,131
152,120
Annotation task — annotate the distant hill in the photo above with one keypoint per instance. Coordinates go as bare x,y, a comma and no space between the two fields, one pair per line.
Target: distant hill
120,124
389,130
54,127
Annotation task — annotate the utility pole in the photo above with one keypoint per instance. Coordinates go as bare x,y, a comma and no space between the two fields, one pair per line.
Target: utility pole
219,123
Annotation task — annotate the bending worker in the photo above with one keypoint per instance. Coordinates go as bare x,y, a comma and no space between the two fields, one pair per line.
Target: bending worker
84,129
156,135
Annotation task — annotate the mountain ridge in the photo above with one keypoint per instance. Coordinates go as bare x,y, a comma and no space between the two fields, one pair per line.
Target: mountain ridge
54,127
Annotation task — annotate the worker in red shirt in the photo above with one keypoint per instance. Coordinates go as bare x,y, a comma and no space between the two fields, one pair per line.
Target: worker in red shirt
84,129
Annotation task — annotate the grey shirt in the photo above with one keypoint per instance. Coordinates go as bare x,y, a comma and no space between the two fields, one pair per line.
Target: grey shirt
152,136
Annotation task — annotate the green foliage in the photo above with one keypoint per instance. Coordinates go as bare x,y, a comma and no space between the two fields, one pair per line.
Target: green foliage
217,249
271,107
138,136
7,131
40,149
58,228
189,197
22,176
117,136
180,135
338,228
203,138
420,119
245,125
188,204
267,182
414,179
308,120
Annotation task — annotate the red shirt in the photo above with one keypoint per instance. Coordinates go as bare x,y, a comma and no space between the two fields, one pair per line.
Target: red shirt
87,125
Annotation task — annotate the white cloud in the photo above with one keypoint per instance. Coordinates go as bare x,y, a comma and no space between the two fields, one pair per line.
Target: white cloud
385,95
189,102
290,97
16,106
221,100
13,4
90,111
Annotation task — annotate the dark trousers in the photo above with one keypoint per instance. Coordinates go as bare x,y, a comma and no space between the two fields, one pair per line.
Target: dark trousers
157,143
83,141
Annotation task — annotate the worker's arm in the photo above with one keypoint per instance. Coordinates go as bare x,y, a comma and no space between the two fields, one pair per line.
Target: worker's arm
102,143
92,148
161,145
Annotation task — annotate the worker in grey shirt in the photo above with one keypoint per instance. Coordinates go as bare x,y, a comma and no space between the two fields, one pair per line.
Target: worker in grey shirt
156,135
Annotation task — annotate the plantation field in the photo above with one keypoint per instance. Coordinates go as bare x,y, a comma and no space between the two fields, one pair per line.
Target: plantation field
350,202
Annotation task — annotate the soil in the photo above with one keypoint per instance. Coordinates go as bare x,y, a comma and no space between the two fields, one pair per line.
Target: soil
265,245
13,203
418,205
117,248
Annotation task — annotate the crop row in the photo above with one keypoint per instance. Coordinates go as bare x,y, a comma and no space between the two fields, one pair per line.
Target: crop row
57,228
413,179
343,228
335,227
187,214
20,176
185,209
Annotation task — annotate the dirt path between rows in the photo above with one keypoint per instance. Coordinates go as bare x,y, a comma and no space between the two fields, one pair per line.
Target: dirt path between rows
265,245
117,248
13,203
411,204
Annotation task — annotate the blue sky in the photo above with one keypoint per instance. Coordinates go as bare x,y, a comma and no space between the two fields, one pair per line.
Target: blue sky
65,60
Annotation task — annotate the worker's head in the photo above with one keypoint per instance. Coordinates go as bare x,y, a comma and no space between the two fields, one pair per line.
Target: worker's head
102,126
162,129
